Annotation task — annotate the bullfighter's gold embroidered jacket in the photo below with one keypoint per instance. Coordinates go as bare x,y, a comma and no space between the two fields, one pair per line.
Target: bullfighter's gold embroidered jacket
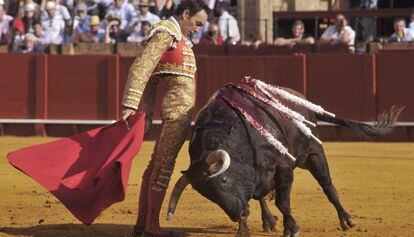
166,52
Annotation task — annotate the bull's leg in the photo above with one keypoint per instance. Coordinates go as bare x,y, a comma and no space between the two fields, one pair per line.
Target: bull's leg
318,166
284,179
268,220
243,230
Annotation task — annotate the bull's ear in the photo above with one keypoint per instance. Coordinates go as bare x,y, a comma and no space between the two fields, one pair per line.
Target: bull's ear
184,171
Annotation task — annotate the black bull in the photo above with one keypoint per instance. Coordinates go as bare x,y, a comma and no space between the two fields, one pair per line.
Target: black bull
231,162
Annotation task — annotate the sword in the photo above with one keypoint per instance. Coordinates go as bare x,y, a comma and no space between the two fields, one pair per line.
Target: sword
127,125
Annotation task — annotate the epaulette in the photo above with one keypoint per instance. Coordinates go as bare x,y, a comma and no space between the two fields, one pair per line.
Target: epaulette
168,26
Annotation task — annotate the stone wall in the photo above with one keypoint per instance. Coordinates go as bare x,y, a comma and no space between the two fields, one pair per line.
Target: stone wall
300,5
255,16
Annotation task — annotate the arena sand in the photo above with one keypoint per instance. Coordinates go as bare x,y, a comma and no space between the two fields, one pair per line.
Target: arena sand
375,182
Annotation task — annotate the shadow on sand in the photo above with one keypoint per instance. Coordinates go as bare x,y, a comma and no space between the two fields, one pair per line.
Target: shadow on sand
101,230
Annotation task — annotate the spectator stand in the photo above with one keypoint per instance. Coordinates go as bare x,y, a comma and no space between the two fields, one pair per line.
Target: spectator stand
322,18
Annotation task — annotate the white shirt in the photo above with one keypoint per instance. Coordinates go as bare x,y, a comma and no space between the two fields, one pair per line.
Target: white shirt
408,36
210,3
332,34
228,26
150,17
5,25
19,39
411,26
369,4
54,28
61,12
126,12
136,36
44,39
105,3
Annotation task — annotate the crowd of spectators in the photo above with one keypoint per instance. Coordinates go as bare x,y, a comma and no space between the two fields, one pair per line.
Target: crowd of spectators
38,23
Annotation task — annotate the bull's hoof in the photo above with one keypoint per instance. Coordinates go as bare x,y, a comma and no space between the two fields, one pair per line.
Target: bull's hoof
168,234
243,234
296,234
346,222
291,232
269,223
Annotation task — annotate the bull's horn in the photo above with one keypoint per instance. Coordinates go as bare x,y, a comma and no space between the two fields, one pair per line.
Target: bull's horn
214,157
175,195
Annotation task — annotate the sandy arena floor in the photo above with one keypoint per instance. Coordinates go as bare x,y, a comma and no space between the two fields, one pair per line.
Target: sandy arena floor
375,182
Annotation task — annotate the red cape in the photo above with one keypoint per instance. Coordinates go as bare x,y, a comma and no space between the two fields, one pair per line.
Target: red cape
87,172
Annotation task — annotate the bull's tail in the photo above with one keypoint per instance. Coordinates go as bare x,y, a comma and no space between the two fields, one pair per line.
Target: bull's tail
384,124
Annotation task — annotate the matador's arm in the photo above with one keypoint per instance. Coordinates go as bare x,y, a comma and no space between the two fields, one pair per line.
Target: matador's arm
143,66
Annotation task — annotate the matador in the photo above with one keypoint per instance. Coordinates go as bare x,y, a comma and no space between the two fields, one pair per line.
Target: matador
167,56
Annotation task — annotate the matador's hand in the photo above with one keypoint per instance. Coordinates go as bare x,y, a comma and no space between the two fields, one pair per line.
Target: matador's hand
129,112
126,113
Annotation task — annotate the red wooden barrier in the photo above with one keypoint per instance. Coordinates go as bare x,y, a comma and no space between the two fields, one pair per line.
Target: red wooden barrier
17,85
82,87
343,84
91,87
395,82
41,87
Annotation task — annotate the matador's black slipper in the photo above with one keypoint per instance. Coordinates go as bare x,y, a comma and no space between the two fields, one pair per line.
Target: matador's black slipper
138,231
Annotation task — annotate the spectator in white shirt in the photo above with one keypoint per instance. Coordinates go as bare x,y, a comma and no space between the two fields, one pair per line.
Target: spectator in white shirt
229,29
61,12
411,26
401,34
123,9
340,33
144,14
5,21
53,25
